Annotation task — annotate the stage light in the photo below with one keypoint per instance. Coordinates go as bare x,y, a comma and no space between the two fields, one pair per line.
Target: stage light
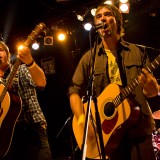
20,47
87,26
35,46
124,7
93,11
123,1
80,17
108,2
81,14
61,36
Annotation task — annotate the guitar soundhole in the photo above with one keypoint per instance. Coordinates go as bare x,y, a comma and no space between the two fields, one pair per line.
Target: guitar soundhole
109,109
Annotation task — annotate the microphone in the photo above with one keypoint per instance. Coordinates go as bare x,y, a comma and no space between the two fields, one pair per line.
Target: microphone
100,25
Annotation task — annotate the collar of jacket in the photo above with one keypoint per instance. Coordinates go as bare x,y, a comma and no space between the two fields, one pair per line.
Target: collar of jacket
121,45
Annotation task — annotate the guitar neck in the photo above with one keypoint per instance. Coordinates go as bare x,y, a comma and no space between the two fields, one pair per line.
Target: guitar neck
12,73
130,88
10,79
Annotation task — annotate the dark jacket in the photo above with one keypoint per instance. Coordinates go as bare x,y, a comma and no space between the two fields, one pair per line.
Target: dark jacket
131,59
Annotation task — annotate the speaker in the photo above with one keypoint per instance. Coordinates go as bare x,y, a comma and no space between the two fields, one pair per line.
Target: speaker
48,40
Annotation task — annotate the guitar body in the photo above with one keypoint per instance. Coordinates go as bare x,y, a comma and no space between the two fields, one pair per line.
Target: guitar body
114,121
9,113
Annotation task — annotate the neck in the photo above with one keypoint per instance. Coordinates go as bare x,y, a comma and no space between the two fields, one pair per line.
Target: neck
1,73
110,43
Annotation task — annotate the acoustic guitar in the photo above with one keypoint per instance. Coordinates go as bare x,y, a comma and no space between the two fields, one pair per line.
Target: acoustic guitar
11,104
117,112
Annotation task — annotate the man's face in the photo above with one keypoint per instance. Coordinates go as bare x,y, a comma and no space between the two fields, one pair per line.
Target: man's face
3,57
105,15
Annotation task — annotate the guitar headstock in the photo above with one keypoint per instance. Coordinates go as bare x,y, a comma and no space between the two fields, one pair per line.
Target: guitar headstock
35,33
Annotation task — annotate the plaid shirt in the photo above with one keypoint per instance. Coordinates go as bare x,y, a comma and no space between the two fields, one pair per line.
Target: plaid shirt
24,85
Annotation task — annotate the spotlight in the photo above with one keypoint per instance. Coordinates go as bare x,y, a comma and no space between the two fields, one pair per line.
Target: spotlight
20,47
123,1
35,46
82,14
61,36
48,40
80,17
93,11
108,2
88,26
124,7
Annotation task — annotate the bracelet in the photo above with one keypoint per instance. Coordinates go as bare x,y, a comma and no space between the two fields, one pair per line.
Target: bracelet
159,91
81,119
30,66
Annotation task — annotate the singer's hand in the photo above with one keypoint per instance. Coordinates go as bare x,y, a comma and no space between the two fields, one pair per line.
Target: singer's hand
81,122
148,83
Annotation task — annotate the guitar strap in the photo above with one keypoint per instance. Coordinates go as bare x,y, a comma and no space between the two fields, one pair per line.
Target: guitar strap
7,72
4,78
121,67
119,59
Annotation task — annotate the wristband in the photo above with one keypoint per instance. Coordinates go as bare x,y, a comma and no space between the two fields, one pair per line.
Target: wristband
31,65
81,119
159,92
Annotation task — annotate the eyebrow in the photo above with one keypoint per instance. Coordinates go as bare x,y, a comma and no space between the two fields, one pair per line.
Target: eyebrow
108,12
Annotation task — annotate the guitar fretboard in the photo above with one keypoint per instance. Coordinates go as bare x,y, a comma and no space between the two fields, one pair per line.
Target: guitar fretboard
130,88
10,79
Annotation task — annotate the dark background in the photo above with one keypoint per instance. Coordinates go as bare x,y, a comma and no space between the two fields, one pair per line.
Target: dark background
18,18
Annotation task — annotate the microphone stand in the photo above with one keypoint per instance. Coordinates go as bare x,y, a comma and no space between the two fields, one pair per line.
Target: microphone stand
67,121
90,97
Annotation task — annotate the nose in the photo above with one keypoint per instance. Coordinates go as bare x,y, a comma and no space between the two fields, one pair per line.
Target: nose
103,18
